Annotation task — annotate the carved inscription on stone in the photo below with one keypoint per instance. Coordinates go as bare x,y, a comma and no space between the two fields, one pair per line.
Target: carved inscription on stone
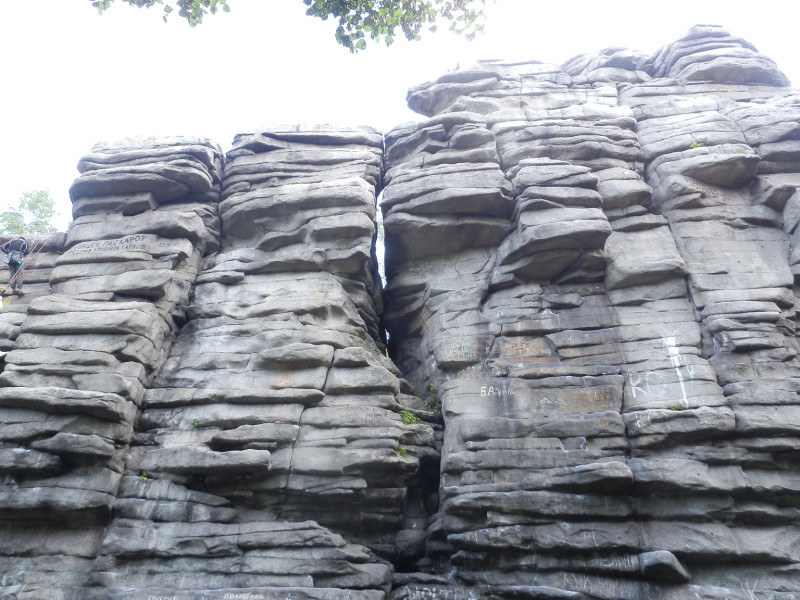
131,243
522,350
520,398
140,242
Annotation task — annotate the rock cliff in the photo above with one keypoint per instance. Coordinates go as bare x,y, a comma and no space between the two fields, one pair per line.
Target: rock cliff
580,381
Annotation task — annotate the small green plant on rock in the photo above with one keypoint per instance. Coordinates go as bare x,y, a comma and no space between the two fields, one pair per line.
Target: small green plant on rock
431,399
408,418
145,476
401,451
694,145
359,339
677,407
195,422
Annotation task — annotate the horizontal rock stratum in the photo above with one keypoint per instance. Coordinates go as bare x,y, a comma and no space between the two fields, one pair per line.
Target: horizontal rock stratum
580,380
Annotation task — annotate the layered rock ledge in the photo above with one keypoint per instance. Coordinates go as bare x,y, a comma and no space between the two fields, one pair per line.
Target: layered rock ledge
580,380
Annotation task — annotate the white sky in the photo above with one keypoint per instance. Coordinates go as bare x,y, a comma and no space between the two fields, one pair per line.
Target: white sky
71,78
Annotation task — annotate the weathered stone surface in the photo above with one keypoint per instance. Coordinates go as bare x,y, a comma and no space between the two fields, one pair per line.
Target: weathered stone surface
662,564
659,341
591,296
20,460
119,401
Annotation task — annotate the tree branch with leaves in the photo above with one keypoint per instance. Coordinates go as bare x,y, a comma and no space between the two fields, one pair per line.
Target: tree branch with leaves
359,20
191,10
381,19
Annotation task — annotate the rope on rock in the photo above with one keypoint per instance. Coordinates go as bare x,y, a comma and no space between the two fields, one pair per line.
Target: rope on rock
25,264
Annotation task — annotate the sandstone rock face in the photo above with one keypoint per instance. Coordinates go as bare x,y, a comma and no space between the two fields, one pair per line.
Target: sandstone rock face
607,315
593,384
203,397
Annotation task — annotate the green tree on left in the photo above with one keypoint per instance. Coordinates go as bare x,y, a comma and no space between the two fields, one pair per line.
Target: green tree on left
33,214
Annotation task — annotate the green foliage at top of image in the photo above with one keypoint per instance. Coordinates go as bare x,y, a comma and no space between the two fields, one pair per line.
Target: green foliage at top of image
358,20
191,10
